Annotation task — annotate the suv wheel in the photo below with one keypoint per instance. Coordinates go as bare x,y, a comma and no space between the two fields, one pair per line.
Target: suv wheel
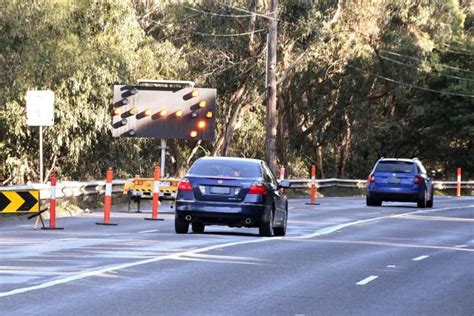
430,202
181,226
198,228
423,202
373,202
266,228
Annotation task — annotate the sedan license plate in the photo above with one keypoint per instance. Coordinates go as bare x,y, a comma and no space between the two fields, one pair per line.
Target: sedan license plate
220,190
393,180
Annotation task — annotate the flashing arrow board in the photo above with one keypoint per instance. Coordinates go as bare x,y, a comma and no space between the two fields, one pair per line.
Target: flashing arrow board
19,201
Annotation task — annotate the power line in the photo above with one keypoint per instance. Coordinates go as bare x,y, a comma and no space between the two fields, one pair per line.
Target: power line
418,59
415,67
458,52
266,16
411,85
228,34
217,14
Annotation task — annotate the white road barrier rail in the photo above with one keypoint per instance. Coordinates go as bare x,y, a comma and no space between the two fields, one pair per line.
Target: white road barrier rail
361,184
66,189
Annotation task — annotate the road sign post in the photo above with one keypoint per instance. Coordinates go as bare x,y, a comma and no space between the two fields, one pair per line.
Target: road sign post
40,112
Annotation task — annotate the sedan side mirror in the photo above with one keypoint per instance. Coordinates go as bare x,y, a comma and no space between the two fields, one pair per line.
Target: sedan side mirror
433,173
285,184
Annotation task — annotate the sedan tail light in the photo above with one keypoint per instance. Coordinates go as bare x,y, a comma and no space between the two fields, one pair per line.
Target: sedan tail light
418,180
257,188
184,185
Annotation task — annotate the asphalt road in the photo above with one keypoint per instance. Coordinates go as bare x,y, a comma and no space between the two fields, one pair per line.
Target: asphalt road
338,258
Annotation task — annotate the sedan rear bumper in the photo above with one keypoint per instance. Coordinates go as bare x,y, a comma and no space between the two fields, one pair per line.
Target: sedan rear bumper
229,214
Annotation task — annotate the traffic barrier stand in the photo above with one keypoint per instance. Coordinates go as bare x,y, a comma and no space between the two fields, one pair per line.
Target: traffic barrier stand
313,187
458,188
108,199
40,218
156,196
52,206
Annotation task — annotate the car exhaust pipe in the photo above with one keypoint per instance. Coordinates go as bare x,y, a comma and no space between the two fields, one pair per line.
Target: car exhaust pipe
248,221
188,218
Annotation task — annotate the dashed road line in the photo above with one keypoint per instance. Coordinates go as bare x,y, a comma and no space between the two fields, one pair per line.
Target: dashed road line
367,280
391,266
460,246
420,258
148,231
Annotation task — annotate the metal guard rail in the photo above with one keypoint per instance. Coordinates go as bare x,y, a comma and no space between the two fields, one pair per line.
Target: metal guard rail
361,184
65,189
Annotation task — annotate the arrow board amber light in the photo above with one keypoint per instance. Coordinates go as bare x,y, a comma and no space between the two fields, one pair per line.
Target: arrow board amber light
195,93
201,124
163,113
202,104
209,114
193,134
179,113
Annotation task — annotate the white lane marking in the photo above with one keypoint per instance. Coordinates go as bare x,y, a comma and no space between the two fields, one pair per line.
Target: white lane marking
420,258
89,273
391,266
335,228
66,239
460,246
148,231
367,280
96,272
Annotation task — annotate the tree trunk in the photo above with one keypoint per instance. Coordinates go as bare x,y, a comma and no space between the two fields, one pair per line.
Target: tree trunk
272,115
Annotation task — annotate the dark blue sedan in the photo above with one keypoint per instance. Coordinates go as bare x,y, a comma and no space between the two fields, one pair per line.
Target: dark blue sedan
234,192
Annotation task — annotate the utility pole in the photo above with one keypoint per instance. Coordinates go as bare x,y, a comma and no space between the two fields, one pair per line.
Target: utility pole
271,119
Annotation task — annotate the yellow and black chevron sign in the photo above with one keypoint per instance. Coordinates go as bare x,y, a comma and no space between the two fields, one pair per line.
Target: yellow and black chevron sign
19,201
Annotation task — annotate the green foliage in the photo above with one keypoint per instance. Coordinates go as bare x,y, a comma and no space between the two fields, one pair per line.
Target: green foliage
78,49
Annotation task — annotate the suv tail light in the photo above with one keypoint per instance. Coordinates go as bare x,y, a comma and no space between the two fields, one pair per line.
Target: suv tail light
370,178
418,180
257,188
184,185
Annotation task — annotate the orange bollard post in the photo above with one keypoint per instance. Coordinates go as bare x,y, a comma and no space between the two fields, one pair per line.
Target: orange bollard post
313,187
52,204
108,198
282,177
156,196
458,189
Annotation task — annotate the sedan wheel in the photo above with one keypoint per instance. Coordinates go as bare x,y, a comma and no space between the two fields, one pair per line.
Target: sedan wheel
265,229
281,231
181,226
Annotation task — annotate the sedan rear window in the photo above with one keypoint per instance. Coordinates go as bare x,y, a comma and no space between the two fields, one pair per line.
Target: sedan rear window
226,168
396,167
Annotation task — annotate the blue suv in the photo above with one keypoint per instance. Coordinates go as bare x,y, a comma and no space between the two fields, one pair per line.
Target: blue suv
399,180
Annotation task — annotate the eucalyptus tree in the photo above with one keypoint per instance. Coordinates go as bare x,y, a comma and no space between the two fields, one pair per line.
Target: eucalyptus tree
78,49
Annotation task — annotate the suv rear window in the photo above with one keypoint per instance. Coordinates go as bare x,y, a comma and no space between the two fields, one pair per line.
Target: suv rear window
226,168
396,167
